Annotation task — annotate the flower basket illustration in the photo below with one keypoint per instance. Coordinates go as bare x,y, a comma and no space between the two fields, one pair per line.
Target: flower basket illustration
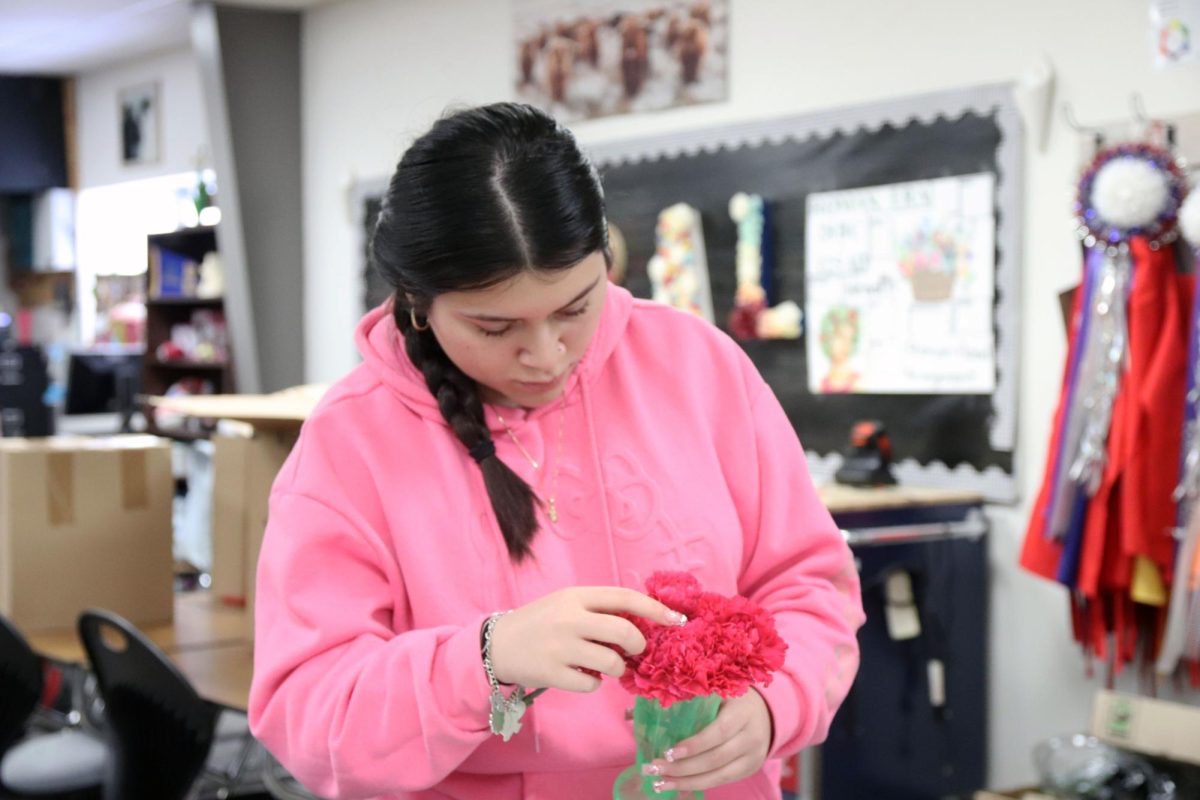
932,287
931,259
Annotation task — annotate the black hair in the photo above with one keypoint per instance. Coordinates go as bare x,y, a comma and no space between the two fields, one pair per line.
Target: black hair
487,193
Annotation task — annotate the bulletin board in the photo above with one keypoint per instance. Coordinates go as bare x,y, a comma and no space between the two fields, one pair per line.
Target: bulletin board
959,433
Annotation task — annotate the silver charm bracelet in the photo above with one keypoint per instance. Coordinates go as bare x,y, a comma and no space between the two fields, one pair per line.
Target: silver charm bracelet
504,713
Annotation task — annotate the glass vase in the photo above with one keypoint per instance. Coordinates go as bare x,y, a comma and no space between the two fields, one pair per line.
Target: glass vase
656,729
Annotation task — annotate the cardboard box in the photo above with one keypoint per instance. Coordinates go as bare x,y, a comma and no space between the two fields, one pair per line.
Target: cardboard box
269,449
244,468
228,519
1138,724
1145,725
85,522
245,463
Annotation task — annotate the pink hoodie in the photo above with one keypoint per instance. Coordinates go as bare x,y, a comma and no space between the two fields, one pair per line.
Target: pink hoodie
382,558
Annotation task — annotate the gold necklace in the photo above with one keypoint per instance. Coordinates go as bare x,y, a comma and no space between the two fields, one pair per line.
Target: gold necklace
551,507
517,442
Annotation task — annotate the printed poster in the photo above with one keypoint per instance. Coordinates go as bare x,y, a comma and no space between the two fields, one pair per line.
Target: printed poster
1174,26
899,288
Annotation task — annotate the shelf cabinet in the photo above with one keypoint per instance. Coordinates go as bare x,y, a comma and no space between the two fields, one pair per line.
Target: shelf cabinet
174,261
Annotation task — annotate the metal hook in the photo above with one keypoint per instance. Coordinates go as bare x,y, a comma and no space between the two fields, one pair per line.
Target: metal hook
1074,124
1150,124
1069,116
1097,134
1139,108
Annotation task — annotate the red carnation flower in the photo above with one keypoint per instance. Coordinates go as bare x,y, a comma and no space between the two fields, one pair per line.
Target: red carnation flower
727,645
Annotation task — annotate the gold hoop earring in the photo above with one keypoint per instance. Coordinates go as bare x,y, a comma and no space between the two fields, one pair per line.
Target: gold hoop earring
412,316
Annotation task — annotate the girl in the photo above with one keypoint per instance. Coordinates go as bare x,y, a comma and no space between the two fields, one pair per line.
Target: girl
524,435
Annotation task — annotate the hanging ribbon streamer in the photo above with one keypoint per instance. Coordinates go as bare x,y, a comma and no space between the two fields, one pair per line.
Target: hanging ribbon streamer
1065,489
1103,521
1106,359
1189,482
1181,639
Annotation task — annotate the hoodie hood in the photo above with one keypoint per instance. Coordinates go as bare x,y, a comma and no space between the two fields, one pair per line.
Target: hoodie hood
382,348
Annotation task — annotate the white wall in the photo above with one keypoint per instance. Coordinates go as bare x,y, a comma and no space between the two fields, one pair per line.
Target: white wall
183,131
111,236
376,73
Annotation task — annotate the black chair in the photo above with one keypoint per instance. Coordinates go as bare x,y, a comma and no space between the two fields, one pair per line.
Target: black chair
160,729
20,684
54,758
280,784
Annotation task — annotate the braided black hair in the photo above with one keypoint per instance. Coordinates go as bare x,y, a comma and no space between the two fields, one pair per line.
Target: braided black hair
487,193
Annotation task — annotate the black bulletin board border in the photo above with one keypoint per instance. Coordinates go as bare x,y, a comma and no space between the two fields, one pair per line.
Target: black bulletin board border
964,442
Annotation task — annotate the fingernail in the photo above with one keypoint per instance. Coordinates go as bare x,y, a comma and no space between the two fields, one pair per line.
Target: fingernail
677,618
673,753
663,786
652,769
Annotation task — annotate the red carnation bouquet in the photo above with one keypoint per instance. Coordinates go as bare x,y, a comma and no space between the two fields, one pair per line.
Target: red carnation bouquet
727,645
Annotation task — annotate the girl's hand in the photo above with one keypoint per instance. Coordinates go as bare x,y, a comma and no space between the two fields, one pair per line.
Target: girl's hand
548,641
733,747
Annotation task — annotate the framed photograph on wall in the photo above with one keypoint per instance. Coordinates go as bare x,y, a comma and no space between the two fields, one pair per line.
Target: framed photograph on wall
140,124
593,58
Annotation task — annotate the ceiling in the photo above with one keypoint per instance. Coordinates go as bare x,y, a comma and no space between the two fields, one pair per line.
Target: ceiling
65,37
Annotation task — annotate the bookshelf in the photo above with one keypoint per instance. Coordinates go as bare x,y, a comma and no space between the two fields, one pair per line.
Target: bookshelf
186,333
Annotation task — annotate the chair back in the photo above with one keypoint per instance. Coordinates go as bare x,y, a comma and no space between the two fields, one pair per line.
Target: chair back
160,730
20,683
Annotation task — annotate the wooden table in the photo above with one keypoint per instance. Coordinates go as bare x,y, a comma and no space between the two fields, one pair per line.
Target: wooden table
843,499
210,642
885,513
221,673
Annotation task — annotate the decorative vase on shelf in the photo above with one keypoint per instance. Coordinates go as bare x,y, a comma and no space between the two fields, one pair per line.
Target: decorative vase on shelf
656,729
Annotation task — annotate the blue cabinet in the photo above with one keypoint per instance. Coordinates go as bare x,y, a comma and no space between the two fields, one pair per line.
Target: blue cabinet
899,735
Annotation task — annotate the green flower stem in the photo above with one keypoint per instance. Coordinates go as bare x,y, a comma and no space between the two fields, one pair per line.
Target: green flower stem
656,729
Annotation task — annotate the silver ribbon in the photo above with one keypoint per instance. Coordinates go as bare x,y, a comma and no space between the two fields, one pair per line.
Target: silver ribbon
1182,632
1065,488
1191,647
1107,357
1186,494
1189,480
